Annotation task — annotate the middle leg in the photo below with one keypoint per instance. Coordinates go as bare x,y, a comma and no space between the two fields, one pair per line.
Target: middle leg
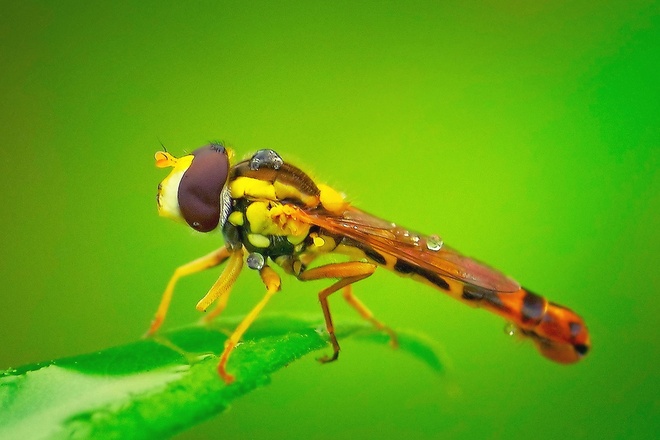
272,282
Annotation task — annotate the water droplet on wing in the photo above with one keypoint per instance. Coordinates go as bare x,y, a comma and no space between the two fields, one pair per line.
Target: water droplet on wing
434,243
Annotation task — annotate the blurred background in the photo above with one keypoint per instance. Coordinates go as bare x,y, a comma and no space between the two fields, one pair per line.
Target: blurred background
526,135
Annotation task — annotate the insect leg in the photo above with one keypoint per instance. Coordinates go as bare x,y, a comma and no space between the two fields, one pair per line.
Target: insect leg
213,259
354,302
219,306
348,273
223,285
272,282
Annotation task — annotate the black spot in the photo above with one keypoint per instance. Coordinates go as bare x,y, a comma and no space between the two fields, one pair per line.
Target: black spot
582,349
533,307
497,302
575,327
477,293
368,251
373,255
472,293
435,279
404,267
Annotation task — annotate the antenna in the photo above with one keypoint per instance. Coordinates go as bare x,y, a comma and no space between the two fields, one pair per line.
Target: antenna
161,144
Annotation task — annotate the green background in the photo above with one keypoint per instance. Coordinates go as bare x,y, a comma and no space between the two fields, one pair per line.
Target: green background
525,134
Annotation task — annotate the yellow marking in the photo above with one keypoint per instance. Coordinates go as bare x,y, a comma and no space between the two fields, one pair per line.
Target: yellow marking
249,187
352,252
236,218
168,199
284,191
284,217
331,199
328,244
180,164
262,189
269,218
164,159
258,240
297,267
296,239
257,215
321,244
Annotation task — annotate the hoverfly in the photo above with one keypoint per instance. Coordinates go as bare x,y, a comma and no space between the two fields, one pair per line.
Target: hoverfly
271,212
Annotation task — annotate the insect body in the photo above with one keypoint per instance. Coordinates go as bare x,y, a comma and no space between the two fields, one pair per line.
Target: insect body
269,211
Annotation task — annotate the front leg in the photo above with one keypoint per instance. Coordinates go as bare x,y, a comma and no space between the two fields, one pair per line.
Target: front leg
213,259
224,283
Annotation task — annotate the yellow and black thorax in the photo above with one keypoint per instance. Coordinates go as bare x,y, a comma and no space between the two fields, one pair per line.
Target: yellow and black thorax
265,198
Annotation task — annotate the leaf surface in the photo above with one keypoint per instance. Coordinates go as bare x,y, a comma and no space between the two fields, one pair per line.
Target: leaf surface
154,388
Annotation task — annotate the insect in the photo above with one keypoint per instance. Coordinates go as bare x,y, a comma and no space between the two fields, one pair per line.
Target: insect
271,212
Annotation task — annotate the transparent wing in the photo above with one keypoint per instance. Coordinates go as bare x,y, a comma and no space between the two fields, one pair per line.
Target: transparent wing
425,251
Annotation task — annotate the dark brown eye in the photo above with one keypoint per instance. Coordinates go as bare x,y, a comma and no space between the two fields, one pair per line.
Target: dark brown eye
201,185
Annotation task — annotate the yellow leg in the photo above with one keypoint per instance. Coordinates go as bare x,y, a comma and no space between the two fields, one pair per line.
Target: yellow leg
366,314
348,273
273,283
219,307
213,259
224,283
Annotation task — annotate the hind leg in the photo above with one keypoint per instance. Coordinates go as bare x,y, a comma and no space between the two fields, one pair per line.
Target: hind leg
348,273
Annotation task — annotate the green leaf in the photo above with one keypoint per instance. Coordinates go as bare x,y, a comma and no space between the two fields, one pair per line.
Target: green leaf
154,388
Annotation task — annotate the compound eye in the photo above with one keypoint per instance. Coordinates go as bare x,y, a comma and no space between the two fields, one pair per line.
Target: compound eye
201,185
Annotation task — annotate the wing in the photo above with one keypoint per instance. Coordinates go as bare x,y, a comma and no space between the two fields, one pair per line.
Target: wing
417,249
428,252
